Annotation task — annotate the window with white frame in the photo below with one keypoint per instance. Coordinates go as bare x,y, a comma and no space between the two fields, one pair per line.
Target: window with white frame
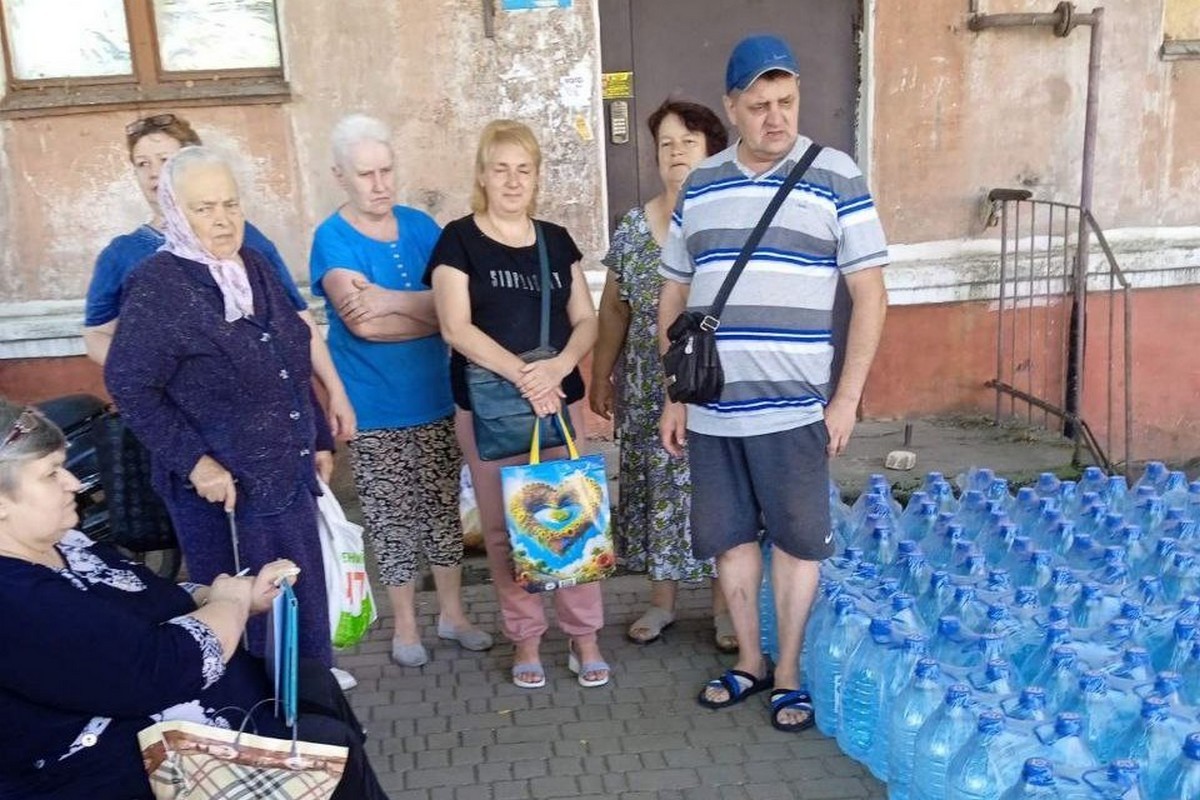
89,53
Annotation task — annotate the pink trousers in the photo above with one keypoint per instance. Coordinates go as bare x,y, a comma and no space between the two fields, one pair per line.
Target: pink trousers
579,609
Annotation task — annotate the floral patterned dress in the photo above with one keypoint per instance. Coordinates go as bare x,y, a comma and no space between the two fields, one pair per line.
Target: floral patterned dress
651,524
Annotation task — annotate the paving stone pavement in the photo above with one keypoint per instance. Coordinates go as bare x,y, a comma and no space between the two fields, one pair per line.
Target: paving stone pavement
457,729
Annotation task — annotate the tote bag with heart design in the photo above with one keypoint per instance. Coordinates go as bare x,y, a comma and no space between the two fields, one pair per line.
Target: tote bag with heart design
558,517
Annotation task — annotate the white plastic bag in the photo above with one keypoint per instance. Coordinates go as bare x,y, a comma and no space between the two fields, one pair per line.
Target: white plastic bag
468,512
352,607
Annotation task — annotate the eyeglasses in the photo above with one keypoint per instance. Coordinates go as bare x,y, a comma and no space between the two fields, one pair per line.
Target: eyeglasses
26,423
148,124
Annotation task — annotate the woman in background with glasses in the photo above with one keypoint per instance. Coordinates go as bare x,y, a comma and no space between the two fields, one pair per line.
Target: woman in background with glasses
151,141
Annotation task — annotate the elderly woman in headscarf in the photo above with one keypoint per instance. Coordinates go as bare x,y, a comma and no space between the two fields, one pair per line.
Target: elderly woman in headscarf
210,367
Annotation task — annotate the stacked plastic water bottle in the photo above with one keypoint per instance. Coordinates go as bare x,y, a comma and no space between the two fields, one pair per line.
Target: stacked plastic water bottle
980,645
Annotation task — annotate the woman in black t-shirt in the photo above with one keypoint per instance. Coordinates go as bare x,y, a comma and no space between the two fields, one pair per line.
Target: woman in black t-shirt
486,281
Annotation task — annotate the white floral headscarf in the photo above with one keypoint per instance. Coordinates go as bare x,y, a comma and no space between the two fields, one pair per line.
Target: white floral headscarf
230,275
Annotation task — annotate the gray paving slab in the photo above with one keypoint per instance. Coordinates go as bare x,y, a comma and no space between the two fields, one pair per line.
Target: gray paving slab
458,728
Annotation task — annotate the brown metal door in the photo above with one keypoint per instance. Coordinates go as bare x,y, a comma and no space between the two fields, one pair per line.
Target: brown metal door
679,47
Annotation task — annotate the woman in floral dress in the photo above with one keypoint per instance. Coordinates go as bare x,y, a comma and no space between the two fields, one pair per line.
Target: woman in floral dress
652,513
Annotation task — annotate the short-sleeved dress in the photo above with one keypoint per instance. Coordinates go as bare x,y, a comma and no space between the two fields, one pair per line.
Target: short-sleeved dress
652,511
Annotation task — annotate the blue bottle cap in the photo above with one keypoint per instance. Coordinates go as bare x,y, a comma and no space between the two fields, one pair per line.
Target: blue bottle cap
948,626
1038,772
1093,682
1191,746
1135,656
1166,546
1025,596
1184,629
933,477
1041,558
881,628
928,508
939,578
991,722
1026,494
1131,610
915,643
853,554
1167,683
998,579
1032,698
1154,708
901,601
843,604
997,669
1023,545
1119,628
973,497
954,531
907,547
1123,771
1063,657
1131,533
958,695
1092,591
997,612
1010,531
1093,473
928,669
1068,723
964,593
1058,612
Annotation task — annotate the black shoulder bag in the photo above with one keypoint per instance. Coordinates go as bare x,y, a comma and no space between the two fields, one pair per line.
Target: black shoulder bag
692,364
503,420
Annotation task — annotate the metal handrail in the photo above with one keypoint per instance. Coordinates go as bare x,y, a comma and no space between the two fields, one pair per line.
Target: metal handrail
1043,273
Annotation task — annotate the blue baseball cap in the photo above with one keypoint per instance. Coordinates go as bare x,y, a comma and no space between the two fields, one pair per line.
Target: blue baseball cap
754,56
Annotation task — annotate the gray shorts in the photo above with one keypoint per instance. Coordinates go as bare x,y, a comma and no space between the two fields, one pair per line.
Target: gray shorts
778,482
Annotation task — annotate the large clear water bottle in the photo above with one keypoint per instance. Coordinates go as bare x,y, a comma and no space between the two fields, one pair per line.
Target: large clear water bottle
863,678
939,739
1030,661
991,760
996,677
1065,743
932,603
1181,779
1182,577
897,673
1152,741
1106,713
1154,475
1028,706
845,631
1059,677
1174,653
1093,480
817,630
967,607
1037,782
911,709
952,644
1189,690
1117,781
1089,609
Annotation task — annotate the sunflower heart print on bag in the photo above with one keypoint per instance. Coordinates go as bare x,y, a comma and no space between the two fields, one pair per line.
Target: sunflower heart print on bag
559,522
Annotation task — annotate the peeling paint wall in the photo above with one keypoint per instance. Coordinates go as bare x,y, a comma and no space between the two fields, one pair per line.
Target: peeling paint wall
958,113
425,67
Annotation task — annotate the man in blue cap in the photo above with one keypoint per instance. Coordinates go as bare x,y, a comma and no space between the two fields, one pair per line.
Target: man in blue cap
760,454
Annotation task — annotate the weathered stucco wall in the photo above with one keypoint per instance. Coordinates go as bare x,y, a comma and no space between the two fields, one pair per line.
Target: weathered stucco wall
957,113
426,68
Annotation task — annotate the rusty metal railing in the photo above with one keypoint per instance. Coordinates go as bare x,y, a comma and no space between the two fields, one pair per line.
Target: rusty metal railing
1063,352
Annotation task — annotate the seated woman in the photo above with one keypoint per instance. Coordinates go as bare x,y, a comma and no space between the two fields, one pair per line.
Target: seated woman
98,648
486,280
210,368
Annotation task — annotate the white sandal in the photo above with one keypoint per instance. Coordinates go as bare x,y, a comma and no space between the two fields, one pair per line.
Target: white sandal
655,620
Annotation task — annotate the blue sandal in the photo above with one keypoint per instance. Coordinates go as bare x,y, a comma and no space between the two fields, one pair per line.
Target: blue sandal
791,700
739,685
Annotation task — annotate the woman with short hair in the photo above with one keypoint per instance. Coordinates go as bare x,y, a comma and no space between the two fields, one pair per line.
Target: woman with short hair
485,274
97,648
211,369
368,262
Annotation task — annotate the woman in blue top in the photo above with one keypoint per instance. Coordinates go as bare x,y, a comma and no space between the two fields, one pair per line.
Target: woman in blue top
151,141
368,261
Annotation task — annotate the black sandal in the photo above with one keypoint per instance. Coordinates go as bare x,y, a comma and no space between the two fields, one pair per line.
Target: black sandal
738,690
791,700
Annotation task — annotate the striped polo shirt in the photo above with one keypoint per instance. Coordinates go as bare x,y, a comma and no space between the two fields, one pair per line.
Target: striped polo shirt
775,337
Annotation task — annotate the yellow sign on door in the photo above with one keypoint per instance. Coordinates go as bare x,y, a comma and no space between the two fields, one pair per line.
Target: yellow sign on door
617,84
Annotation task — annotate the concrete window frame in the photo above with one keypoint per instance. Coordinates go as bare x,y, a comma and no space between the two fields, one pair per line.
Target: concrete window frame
1181,30
148,86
